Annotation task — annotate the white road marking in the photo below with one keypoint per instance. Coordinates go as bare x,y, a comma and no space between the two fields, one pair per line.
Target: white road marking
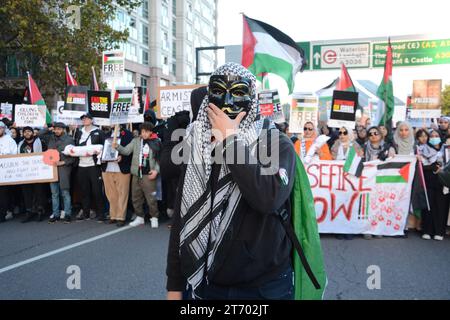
51,253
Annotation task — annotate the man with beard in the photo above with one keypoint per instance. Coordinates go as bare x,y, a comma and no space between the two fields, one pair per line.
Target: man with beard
33,194
227,240
7,147
58,139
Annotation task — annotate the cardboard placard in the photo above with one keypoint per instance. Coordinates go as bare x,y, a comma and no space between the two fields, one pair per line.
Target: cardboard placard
31,115
113,66
171,100
99,105
270,106
26,169
343,109
75,104
304,109
426,99
126,107
6,111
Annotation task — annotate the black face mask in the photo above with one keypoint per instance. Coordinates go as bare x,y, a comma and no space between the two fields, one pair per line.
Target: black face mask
232,94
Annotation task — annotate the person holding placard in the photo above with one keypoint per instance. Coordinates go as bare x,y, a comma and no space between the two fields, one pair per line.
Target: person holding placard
7,147
303,145
144,171
58,139
89,172
33,194
116,178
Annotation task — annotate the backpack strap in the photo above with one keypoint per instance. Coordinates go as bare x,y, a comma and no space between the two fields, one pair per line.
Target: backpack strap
284,218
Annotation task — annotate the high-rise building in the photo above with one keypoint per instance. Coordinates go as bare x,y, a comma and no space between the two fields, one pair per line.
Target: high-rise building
163,35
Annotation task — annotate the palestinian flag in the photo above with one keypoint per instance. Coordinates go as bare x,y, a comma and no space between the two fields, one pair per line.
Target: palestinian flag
386,91
353,164
345,83
123,95
113,57
393,172
70,80
36,98
305,227
266,49
147,101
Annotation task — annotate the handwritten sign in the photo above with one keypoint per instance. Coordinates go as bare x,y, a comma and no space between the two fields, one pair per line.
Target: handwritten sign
29,115
27,168
174,99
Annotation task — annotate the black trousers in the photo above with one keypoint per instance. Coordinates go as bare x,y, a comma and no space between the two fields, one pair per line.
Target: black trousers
90,183
33,197
434,221
4,201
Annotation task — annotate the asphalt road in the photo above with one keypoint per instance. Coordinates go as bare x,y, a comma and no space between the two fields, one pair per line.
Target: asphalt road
130,264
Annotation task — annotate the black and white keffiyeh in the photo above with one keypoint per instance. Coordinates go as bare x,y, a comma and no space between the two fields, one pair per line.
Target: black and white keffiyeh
204,223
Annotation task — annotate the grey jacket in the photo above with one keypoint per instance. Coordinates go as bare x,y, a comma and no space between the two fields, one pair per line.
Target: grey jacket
59,143
134,148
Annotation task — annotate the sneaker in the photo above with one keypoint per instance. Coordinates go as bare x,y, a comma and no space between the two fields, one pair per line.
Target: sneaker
9,215
137,222
67,219
170,213
92,215
53,219
111,221
62,214
120,224
426,237
368,237
154,222
80,215
438,238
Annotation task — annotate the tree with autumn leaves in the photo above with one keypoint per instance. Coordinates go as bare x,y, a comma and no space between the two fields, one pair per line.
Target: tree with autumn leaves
39,34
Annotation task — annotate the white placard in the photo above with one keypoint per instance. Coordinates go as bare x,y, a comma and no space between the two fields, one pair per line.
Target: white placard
26,168
29,115
174,99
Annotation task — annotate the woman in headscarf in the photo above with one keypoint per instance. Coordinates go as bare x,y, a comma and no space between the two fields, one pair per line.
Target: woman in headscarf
361,133
404,139
224,223
342,146
329,132
434,220
302,145
376,148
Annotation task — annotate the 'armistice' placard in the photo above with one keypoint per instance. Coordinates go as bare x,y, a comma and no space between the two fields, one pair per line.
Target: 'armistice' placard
29,115
27,168
174,99
99,105
343,109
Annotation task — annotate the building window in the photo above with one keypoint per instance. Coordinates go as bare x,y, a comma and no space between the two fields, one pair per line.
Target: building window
165,16
144,57
129,76
174,28
174,49
165,40
144,82
174,68
145,35
145,9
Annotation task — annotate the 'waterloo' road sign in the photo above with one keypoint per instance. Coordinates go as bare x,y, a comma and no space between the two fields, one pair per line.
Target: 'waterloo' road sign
331,56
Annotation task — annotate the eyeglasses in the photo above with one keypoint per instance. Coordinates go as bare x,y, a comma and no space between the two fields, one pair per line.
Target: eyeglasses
373,134
307,129
343,133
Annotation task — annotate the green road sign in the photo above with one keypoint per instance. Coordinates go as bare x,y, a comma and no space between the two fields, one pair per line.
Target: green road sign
306,46
412,53
331,56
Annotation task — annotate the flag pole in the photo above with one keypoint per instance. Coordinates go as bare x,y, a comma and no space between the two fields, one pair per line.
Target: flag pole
422,179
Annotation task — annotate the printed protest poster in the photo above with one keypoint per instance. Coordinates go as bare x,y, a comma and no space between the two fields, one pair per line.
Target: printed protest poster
343,109
125,108
65,117
108,153
28,168
171,100
31,115
99,105
113,67
6,111
426,99
75,104
375,203
270,106
304,109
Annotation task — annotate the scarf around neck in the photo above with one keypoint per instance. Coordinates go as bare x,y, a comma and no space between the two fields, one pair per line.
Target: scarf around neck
206,214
